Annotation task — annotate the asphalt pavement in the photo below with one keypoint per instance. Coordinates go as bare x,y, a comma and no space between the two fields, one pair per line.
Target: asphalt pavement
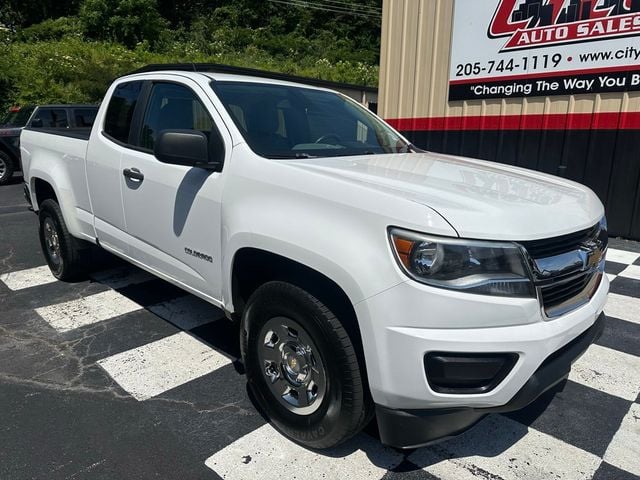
125,376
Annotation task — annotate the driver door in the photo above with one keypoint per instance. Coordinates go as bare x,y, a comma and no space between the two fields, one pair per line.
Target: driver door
173,212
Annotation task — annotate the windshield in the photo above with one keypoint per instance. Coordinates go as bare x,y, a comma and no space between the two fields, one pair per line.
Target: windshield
281,121
17,118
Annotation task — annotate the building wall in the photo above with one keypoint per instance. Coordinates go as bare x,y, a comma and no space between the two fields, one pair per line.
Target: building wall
593,139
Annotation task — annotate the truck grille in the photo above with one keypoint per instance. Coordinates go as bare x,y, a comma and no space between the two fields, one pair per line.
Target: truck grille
567,270
550,247
558,294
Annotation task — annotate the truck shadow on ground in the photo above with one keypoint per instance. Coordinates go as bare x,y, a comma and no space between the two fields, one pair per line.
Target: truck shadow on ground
491,437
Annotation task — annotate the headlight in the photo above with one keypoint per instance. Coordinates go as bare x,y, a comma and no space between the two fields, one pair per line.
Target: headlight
489,268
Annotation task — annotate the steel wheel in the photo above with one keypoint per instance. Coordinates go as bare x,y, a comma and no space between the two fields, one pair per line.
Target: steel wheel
67,257
6,168
301,366
292,366
52,241
3,167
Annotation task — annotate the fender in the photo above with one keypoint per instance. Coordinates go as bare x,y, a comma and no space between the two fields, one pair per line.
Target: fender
343,278
64,194
336,228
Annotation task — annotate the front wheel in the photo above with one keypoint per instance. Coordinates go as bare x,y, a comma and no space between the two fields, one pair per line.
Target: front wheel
302,366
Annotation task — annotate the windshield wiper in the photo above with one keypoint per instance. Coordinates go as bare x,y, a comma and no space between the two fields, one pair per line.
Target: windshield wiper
292,155
354,154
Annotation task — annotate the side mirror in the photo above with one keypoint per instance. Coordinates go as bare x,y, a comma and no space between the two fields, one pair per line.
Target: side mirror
36,123
185,147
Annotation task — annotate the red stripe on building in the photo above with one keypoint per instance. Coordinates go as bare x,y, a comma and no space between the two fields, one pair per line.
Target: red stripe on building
548,121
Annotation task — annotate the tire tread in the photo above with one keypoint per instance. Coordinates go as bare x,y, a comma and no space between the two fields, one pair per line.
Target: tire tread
74,252
355,398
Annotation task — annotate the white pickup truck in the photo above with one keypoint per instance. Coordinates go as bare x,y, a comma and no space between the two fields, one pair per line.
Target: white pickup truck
368,277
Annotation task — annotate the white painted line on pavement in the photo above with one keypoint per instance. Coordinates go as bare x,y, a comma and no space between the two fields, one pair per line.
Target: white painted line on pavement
632,271
624,450
88,310
610,371
623,307
265,453
31,277
187,312
156,367
499,447
621,256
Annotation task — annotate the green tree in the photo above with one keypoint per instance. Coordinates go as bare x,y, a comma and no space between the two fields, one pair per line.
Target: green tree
58,51
128,22
51,29
29,12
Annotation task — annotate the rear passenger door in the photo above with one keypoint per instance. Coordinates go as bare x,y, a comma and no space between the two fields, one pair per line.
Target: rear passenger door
173,212
109,140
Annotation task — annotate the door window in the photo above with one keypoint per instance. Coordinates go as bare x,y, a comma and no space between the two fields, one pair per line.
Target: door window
117,122
173,107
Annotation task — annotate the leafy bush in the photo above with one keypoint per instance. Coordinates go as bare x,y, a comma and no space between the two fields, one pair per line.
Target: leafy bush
125,21
73,59
51,29
62,71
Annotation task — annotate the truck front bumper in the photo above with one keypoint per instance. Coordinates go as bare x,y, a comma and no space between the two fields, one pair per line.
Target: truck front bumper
416,428
408,324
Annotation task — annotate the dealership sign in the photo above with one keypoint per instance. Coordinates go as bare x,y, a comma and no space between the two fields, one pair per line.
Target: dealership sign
526,48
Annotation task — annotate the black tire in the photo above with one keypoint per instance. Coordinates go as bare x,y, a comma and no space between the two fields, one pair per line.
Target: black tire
6,168
345,406
66,256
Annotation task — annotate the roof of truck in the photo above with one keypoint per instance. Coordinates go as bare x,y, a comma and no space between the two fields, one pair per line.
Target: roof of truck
231,73
230,77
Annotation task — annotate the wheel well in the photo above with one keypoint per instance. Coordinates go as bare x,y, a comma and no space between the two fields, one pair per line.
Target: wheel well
43,191
253,267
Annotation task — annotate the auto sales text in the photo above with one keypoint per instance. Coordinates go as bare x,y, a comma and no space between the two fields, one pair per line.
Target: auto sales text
618,26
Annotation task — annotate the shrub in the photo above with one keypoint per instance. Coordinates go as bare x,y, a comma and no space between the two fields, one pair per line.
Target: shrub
74,58
63,71
129,22
51,29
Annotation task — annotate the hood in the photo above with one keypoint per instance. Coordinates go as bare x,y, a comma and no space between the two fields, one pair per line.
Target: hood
480,199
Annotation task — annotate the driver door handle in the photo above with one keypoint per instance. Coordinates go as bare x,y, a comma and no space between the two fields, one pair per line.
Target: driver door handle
133,174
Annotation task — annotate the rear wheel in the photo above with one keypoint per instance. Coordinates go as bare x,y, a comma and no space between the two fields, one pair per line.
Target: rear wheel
6,168
302,366
65,255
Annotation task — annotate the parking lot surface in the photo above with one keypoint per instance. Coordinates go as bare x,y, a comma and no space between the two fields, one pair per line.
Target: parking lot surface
124,376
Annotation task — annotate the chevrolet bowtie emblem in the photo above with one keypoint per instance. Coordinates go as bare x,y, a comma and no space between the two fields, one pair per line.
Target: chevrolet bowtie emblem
590,255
